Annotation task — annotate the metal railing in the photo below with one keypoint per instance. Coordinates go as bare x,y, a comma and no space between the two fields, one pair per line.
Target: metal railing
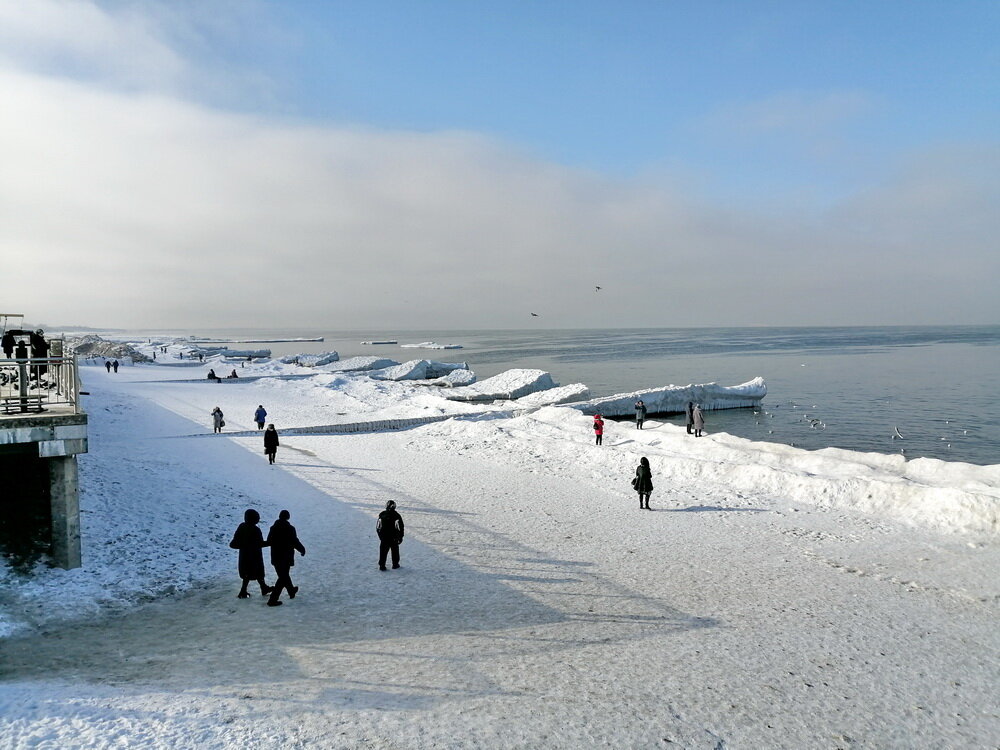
39,385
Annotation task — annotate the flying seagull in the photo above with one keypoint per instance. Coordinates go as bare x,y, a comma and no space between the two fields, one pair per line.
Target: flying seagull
534,315
597,288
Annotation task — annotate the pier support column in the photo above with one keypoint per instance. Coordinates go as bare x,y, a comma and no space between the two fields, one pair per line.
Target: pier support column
65,503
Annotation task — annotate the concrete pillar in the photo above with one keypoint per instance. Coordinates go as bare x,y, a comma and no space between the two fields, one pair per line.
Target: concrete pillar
65,499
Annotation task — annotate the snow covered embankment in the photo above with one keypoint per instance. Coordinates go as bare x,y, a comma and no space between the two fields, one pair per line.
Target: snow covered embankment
946,496
673,399
508,385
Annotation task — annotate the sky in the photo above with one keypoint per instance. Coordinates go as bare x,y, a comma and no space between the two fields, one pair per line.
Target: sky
451,164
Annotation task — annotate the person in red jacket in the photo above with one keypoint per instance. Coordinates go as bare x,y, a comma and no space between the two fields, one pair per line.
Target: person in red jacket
598,429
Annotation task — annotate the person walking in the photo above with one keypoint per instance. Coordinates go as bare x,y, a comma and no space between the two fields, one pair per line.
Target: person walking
698,420
107,366
283,542
643,482
250,542
270,443
114,365
260,416
689,417
389,528
217,419
598,429
640,414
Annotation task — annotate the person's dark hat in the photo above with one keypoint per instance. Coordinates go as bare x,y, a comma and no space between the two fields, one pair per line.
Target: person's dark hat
390,505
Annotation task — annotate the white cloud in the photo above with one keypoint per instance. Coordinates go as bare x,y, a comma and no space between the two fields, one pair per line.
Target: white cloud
129,208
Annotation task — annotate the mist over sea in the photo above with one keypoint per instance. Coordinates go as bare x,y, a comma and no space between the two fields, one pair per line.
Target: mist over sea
841,387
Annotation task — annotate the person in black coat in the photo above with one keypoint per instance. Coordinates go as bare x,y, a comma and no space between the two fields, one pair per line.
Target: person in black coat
270,443
643,482
689,417
283,542
249,541
389,528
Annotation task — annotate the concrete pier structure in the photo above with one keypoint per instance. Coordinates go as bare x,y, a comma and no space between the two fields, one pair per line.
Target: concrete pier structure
42,430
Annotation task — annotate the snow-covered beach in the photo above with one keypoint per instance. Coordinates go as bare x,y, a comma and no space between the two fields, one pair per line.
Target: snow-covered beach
773,597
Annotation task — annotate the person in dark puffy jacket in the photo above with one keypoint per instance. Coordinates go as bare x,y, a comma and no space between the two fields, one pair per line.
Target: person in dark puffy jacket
389,528
643,482
270,443
283,542
249,541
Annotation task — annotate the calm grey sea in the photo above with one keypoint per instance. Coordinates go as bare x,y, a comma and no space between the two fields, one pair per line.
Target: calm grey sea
937,385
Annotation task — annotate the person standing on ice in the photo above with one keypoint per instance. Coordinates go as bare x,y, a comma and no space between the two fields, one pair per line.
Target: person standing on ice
217,421
389,528
689,416
698,420
643,482
283,542
598,429
114,365
249,541
640,414
259,416
270,443
107,365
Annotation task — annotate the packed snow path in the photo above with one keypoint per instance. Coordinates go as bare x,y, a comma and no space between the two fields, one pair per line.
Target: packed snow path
534,608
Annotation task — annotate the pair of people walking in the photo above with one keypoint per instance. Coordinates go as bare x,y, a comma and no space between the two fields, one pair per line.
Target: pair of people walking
695,420
283,541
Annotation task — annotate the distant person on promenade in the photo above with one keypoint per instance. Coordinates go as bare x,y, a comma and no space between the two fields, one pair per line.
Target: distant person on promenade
233,374
640,413
283,542
8,345
114,365
389,528
598,429
689,417
698,419
201,357
270,443
107,366
643,482
260,416
212,376
249,541
217,420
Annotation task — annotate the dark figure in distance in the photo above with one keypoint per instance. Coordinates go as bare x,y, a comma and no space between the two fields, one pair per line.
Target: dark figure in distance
8,345
640,413
689,417
643,482
389,528
249,541
107,366
698,420
283,542
598,429
114,365
233,374
201,357
212,376
259,416
270,443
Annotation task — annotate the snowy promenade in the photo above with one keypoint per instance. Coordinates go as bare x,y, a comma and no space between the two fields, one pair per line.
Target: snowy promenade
537,606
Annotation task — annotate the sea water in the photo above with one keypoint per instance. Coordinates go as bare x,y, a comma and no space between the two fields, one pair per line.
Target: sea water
857,388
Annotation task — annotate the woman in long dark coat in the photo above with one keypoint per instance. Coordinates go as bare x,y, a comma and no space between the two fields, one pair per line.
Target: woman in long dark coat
270,443
249,540
643,482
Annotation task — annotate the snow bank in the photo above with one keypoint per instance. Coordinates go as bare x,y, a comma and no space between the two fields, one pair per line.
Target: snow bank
311,360
415,369
453,379
359,364
559,395
674,399
507,385
946,496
